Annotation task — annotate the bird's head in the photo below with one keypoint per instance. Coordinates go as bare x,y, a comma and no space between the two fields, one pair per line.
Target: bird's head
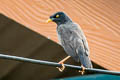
59,18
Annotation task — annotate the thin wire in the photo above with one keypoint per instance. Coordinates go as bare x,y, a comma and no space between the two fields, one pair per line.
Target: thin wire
54,64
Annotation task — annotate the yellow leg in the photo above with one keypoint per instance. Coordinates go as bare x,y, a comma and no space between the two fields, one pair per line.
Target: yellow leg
83,70
62,63
63,60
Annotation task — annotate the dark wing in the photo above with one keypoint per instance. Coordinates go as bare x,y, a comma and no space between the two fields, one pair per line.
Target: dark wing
80,37
81,46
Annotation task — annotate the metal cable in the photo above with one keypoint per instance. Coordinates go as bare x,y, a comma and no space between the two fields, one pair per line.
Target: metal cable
54,64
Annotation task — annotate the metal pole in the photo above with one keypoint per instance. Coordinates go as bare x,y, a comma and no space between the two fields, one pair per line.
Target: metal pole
54,64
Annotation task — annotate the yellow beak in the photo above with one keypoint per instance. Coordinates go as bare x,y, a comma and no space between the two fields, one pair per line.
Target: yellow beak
49,20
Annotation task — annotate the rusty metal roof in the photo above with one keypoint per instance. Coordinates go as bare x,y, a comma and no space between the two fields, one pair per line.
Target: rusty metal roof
99,20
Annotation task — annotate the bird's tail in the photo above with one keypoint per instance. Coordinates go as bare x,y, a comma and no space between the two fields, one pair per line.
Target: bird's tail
85,61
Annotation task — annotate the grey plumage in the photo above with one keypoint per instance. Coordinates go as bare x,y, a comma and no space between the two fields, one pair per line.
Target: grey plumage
72,39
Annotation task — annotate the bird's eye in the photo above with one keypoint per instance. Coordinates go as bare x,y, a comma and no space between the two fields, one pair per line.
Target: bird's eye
57,16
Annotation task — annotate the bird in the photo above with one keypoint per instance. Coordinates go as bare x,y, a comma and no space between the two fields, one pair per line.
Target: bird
72,39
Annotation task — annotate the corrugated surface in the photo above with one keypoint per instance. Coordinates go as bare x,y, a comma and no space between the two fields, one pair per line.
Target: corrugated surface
99,19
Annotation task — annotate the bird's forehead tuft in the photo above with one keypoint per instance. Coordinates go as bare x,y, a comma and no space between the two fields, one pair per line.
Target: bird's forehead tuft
58,13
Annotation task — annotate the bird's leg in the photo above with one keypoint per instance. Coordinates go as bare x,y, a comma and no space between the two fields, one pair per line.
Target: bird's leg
62,63
63,60
83,70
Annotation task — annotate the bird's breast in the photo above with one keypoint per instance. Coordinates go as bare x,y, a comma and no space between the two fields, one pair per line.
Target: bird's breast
64,35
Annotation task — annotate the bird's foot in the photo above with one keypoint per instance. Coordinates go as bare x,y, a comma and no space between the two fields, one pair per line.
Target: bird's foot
62,63
83,70
62,68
